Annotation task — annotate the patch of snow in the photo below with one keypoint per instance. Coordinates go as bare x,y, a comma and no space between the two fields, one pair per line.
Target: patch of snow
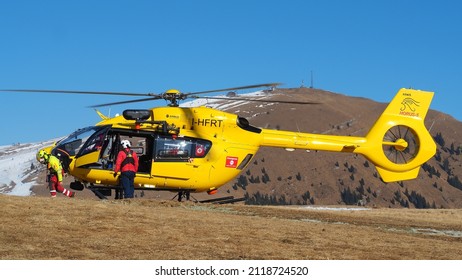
323,208
16,162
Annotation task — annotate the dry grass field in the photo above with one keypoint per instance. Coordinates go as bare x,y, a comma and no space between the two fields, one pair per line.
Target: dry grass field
36,228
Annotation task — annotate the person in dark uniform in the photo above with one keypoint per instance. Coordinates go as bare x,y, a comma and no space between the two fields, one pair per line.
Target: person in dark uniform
127,165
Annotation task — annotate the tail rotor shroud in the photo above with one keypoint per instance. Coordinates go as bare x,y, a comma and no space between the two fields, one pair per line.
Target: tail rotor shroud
400,144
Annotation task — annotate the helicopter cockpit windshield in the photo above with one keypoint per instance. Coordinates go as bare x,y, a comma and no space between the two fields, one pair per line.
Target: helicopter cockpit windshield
75,141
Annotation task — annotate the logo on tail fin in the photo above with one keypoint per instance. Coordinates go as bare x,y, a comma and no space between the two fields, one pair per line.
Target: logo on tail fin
409,104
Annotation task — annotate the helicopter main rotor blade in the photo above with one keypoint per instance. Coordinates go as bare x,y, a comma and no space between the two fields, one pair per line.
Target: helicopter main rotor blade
79,92
254,100
168,96
128,101
234,88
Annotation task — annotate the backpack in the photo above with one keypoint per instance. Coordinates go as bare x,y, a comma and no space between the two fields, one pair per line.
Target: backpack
128,159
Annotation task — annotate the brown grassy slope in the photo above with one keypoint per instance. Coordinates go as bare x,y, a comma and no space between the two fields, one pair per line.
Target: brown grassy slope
63,228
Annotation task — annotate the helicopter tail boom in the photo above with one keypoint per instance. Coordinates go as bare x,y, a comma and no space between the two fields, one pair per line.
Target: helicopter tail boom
397,144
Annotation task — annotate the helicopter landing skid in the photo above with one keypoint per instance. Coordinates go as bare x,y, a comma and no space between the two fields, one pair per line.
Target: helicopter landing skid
223,200
183,194
220,200
98,193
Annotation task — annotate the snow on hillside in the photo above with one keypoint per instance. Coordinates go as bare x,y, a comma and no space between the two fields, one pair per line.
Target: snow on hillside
16,164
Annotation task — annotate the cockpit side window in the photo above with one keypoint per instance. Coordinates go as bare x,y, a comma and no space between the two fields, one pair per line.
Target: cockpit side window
93,142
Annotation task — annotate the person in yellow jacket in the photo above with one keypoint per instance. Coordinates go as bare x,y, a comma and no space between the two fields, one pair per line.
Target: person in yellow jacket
55,170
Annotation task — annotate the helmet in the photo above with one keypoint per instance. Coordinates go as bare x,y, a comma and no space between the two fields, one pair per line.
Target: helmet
125,144
42,156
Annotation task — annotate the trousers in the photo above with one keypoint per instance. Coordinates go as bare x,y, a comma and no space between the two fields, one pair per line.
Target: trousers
127,183
55,185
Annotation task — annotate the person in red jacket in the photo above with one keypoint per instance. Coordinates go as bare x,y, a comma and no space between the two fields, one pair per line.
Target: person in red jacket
127,165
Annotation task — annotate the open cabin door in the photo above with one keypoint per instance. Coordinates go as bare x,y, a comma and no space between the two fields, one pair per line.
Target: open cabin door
101,149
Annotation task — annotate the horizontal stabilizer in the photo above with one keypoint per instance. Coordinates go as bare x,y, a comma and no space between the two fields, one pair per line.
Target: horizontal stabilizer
101,115
392,176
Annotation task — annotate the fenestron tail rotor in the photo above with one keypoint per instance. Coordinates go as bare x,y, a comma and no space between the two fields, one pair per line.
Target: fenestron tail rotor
400,144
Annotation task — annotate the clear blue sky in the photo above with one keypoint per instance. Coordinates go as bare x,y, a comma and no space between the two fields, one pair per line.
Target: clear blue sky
358,48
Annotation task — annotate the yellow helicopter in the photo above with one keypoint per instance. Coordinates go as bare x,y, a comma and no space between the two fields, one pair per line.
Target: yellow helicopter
199,149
